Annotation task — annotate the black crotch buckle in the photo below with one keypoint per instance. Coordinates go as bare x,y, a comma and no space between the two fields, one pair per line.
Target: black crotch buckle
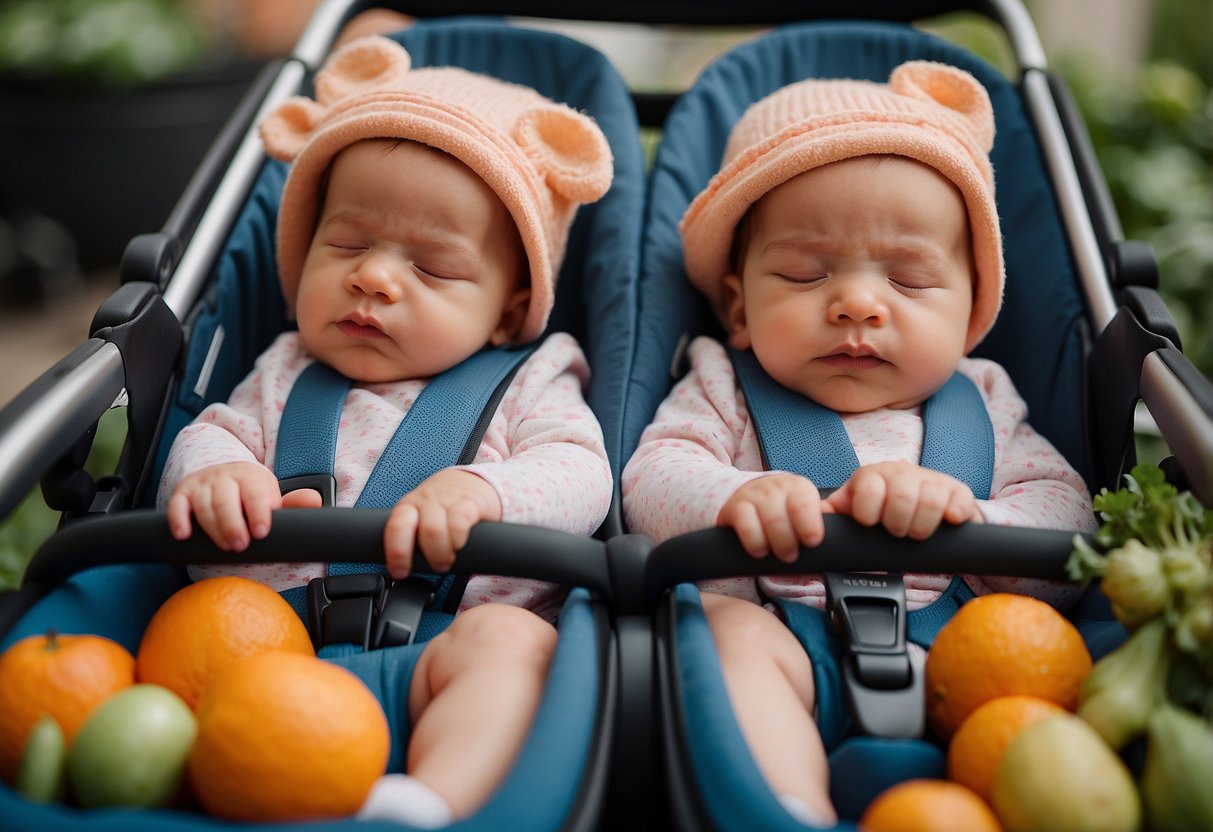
882,680
366,610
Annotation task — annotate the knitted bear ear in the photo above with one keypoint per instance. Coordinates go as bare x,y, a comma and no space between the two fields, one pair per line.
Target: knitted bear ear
949,87
362,65
289,126
569,150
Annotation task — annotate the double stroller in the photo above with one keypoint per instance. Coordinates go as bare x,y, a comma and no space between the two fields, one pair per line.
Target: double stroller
634,730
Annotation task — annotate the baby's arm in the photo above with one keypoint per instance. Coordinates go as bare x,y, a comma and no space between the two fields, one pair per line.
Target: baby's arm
907,499
216,467
698,465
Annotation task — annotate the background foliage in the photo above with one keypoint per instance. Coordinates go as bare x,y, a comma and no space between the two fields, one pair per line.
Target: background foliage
1153,134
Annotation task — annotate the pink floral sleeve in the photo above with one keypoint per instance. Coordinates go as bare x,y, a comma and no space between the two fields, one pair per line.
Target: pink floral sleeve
236,430
543,452
698,450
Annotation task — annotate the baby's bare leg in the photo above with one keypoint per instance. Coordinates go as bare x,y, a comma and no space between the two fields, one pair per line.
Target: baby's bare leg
473,698
770,685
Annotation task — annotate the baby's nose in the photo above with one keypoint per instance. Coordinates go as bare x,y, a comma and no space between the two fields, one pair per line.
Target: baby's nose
858,304
377,275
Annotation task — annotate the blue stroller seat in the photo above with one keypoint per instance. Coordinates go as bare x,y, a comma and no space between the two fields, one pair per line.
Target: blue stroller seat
109,575
1042,338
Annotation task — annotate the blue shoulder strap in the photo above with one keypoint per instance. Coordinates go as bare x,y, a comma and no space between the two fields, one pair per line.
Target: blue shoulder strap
442,428
796,434
307,434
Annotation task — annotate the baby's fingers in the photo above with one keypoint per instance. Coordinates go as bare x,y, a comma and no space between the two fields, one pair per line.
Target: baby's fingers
223,516
862,497
805,509
777,527
399,539
933,501
259,498
460,519
743,518
434,536
178,516
962,506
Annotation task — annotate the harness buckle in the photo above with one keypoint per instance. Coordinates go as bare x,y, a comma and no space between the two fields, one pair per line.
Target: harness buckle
366,610
882,680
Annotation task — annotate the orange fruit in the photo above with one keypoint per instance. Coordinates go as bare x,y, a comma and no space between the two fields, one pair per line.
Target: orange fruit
977,746
287,737
999,645
204,627
65,676
928,806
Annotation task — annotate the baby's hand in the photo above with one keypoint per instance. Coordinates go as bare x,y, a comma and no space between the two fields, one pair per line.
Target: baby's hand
776,513
230,502
907,499
437,516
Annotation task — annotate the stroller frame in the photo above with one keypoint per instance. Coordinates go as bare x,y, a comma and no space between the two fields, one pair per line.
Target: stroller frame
129,358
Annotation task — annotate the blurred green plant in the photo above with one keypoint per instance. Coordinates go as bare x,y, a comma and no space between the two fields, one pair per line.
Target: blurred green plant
1152,130
1153,135
97,43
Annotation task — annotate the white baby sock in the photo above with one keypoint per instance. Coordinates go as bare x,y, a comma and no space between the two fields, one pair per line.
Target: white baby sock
404,799
800,812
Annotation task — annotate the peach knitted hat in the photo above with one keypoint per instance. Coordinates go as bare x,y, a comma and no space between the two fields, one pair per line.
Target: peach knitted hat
934,113
542,159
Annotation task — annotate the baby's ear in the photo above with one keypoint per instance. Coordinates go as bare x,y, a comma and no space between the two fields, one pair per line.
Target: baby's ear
952,88
569,150
513,314
289,126
732,305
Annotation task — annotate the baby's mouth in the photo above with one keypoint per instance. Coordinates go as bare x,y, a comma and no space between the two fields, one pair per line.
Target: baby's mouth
853,359
363,330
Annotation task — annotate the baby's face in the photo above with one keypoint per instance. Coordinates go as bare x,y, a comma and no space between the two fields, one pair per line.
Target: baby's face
414,266
856,283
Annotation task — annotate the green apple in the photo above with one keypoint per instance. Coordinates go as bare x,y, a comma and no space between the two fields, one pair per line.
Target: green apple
42,775
132,749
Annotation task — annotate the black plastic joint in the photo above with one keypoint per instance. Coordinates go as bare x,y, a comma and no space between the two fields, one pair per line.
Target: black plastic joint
150,258
1132,263
1152,313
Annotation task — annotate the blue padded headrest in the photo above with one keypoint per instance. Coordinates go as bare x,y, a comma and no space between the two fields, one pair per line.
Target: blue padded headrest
1038,337
595,297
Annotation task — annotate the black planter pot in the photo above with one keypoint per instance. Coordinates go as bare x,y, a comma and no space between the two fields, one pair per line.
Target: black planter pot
109,165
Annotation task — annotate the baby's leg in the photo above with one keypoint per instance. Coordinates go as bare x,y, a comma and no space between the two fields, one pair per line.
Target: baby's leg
770,684
473,698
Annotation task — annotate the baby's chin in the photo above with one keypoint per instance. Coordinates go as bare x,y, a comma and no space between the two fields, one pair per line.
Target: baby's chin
847,395
365,365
